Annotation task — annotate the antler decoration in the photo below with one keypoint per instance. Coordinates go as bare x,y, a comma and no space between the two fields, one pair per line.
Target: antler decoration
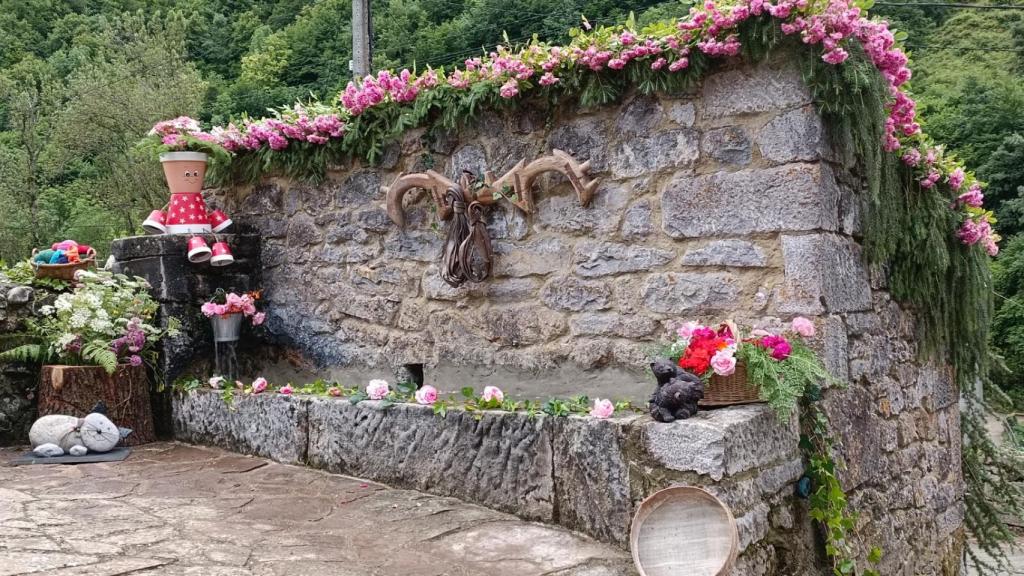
516,185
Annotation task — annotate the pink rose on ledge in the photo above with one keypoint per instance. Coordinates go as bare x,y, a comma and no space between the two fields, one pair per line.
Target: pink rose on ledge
377,389
803,326
492,393
287,390
426,395
602,408
216,382
334,391
259,385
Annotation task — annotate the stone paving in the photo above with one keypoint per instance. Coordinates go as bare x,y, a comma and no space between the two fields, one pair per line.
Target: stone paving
185,510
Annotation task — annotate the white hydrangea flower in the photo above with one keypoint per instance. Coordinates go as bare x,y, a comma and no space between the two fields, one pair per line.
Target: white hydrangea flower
65,339
47,310
63,303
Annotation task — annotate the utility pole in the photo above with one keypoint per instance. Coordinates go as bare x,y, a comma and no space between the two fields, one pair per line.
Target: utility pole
362,31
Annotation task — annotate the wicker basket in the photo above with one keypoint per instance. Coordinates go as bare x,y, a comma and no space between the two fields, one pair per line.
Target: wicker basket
64,272
729,390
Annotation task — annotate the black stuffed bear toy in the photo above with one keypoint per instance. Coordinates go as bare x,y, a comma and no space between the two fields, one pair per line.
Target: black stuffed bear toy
677,393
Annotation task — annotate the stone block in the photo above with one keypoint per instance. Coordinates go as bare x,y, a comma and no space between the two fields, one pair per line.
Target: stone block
658,151
359,189
521,325
795,136
753,89
684,292
640,115
563,212
468,157
418,245
500,460
591,477
729,145
738,253
594,259
586,138
373,220
378,309
303,231
824,272
638,221
682,113
269,425
537,257
611,324
723,442
794,197
574,295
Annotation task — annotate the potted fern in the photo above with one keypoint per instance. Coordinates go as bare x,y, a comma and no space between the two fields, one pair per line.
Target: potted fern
95,343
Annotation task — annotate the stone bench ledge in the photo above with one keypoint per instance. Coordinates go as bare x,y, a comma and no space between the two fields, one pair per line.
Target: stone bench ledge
584,473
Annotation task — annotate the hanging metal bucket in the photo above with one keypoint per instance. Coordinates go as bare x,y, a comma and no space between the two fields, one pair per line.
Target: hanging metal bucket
226,327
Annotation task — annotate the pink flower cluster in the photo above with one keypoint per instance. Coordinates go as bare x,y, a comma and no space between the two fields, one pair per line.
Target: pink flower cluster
235,304
174,133
278,133
710,28
386,87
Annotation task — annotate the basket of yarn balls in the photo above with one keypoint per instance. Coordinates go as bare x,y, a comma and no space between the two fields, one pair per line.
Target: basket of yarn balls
62,260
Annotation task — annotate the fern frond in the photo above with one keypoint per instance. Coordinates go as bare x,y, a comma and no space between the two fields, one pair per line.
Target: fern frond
100,354
31,353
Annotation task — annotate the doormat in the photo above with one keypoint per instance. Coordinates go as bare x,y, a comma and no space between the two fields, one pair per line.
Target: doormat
116,455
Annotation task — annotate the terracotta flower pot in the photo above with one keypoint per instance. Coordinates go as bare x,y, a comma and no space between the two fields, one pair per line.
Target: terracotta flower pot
74,390
184,171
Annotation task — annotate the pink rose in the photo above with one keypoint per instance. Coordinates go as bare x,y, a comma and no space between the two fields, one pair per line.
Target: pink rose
287,390
803,326
209,309
723,362
602,408
258,318
259,385
426,395
377,389
216,381
492,393
686,330
334,391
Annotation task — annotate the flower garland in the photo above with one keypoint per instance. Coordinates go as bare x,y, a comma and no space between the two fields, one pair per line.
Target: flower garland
491,398
712,29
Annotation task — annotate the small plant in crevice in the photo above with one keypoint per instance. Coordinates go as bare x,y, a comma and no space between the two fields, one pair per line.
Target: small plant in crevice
829,505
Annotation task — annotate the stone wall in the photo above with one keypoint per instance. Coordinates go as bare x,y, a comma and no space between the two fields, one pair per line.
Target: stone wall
729,202
180,287
18,382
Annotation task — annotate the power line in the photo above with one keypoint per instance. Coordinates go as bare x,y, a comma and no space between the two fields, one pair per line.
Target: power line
953,5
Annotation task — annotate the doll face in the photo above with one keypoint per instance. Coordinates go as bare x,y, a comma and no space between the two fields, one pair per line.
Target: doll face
193,177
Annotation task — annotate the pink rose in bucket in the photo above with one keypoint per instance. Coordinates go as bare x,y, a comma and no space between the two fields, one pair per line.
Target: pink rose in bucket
426,395
602,408
377,389
723,362
492,393
259,385
803,326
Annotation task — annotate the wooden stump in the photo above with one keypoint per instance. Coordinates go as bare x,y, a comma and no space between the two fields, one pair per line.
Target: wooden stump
74,390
